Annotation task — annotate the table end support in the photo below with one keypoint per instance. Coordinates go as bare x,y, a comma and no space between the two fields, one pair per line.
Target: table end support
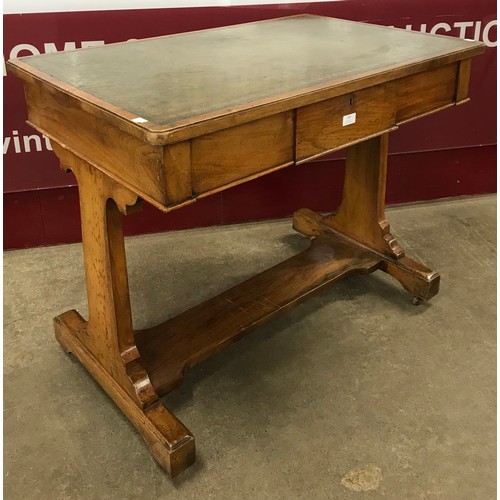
169,441
414,277
361,219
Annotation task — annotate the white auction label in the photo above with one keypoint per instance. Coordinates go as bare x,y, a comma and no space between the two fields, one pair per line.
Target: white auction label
348,119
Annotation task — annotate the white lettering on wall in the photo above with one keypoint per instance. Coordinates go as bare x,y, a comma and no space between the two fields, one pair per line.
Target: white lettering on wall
486,34
49,48
26,143
92,43
23,47
463,27
440,26
472,30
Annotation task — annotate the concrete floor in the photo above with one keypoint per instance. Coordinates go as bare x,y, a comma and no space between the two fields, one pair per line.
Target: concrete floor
357,389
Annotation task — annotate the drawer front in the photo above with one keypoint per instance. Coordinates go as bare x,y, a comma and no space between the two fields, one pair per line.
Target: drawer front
340,121
240,152
425,92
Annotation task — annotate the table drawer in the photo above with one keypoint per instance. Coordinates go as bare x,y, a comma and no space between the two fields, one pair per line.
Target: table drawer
340,121
425,92
244,151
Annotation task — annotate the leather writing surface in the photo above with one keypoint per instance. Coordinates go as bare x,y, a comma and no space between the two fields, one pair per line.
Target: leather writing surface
168,79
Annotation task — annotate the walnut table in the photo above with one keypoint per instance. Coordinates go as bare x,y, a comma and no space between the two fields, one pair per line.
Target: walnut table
176,118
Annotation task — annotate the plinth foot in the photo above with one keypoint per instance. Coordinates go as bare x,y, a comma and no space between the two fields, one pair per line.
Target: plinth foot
419,280
169,441
414,277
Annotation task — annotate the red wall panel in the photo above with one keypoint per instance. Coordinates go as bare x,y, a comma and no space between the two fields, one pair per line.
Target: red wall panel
30,166
51,216
22,220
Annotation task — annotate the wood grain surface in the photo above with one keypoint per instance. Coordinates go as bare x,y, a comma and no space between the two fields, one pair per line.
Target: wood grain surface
321,129
225,156
170,348
424,92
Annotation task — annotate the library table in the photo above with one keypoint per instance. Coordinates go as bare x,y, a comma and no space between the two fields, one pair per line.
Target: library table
176,118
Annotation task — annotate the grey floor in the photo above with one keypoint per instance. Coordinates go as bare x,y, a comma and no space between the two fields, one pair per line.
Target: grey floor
355,394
